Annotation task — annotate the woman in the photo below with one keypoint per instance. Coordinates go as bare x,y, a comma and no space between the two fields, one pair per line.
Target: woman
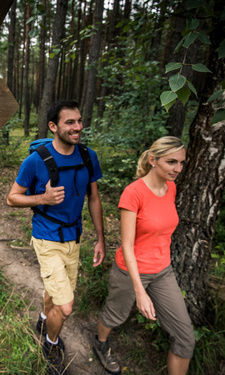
142,270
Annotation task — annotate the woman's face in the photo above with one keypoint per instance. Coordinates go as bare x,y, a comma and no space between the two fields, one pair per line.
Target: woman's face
168,167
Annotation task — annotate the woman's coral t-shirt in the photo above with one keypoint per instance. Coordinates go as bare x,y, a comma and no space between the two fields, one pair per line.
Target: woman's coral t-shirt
156,221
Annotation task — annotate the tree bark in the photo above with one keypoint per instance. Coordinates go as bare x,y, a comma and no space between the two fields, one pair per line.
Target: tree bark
50,81
200,190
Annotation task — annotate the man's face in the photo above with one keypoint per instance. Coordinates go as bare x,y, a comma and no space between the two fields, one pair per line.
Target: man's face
69,126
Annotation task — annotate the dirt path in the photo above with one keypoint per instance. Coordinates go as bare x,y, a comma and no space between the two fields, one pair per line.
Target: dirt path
21,268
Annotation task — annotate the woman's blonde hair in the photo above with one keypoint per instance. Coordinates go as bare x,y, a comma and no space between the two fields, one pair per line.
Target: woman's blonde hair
161,147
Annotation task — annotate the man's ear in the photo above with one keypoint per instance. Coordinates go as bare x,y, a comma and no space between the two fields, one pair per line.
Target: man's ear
52,126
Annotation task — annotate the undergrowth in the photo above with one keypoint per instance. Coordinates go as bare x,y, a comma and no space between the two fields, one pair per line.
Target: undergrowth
19,349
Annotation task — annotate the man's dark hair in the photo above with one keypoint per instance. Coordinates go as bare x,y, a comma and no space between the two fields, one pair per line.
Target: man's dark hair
55,108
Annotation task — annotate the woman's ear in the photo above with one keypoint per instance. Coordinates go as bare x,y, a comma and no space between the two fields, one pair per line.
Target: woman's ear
152,161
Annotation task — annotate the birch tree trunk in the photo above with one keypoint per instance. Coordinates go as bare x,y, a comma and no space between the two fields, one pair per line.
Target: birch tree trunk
200,189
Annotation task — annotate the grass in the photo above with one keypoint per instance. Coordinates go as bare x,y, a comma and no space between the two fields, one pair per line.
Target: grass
19,350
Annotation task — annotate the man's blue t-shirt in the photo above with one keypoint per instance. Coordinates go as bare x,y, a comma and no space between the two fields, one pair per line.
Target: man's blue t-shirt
33,172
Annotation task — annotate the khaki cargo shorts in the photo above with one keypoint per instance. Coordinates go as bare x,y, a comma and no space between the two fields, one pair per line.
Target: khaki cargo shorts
58,267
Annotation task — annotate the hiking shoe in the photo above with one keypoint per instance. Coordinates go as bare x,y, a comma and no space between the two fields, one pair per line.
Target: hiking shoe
41,327
55,359
103,351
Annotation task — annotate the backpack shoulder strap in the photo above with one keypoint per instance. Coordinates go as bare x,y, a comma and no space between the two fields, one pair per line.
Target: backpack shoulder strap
50,164
88,163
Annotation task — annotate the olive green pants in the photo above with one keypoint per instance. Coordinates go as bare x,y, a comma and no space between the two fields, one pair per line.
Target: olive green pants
168,302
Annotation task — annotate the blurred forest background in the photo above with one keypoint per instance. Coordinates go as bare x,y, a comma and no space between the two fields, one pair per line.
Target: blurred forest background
139,70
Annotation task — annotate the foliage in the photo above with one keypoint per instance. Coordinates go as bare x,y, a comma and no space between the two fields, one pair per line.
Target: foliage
20,352
180,87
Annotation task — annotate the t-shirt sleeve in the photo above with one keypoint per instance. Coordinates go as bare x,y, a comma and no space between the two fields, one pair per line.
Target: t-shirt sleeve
26,172
97,173
130,199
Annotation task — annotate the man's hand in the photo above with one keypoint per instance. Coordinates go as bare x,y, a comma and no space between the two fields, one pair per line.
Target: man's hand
145,305
53,195
99,253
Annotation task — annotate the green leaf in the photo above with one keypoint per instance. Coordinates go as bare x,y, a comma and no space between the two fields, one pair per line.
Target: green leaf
192,24
221,50
200,68
215,95
179,45
190,38
183,94
167,97
51,55
30,20
169,105
204,38
172,66
192,88
219,116
176,82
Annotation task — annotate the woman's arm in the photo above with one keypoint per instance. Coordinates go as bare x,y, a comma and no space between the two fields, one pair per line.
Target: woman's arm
128,228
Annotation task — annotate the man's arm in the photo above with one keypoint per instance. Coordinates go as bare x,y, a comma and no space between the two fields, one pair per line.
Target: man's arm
17,196
95,209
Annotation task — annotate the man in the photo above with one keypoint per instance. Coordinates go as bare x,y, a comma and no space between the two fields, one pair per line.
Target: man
57,246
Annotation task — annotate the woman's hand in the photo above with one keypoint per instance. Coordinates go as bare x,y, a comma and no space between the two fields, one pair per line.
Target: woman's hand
145,305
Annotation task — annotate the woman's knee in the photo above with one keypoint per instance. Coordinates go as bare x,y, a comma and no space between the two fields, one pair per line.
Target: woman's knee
183,345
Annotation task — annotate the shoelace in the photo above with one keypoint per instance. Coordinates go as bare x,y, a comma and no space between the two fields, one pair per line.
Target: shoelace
110,357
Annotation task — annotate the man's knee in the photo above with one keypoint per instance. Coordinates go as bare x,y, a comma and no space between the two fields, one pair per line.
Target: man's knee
66,310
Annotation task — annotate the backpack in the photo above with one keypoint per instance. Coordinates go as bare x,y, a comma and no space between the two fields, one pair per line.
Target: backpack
53,170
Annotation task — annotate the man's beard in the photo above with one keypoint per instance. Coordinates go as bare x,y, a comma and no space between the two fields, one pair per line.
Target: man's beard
66,141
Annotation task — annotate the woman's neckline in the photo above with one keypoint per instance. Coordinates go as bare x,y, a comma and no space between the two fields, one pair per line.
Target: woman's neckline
156,195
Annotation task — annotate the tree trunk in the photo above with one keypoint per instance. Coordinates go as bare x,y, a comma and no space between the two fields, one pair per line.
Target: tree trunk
75,76
50,81
200,190
12,29
42,58
26,73
22,64
94,52
113,17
